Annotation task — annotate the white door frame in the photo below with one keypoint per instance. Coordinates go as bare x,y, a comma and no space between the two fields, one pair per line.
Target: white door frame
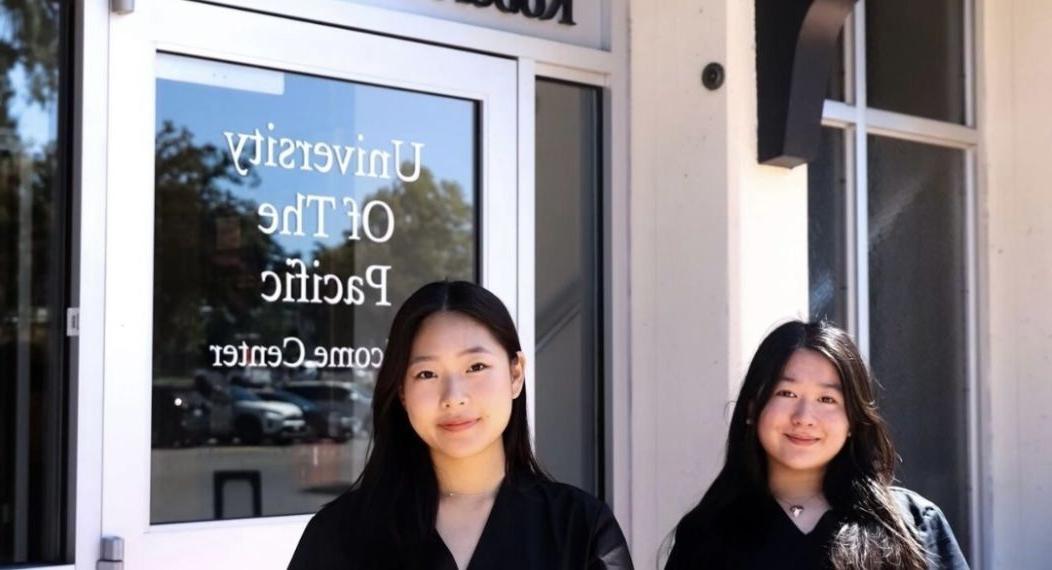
196,29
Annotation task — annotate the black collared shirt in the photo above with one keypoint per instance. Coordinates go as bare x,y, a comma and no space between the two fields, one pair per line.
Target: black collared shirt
533,524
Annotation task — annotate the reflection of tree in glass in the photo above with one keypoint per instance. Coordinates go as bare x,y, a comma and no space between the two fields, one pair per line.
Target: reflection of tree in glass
208,254
31,237
28,46
433,239
40,177
29,43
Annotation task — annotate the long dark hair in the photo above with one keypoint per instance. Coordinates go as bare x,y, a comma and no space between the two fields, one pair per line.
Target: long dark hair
873,532
398,485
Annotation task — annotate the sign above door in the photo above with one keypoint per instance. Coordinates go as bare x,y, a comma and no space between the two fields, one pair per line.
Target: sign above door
576,22
539,9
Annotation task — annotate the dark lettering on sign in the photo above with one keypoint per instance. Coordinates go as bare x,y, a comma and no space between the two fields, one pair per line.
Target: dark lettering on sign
533,9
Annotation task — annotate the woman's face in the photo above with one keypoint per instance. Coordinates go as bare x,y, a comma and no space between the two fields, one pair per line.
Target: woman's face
459,386
804,424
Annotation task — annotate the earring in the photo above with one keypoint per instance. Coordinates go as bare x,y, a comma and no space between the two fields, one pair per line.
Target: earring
748,421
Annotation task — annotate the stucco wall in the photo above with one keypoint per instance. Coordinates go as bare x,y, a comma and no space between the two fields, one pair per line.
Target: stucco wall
1016,252
718,249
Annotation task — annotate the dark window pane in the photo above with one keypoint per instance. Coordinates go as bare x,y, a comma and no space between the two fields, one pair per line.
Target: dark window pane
918,316
837,88
33,284
568,300
827,244
915,57
294,215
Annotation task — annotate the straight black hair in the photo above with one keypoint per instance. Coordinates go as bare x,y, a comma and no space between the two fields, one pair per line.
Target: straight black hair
873,533
398,485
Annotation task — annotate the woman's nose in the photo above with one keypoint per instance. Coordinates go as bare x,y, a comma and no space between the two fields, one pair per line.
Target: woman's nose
802,414
455,393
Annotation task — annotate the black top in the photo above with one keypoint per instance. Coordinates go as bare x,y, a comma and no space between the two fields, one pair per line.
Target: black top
773,541
534,524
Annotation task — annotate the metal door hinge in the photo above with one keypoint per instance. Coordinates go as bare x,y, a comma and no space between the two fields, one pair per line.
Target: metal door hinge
112,555
122,6
73,321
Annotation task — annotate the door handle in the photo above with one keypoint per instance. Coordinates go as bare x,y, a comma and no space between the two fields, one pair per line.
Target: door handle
112,555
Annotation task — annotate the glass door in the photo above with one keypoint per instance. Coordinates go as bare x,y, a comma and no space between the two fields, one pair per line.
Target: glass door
276,189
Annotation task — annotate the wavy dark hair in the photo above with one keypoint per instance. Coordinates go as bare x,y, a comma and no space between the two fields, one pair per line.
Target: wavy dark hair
398,487
873,532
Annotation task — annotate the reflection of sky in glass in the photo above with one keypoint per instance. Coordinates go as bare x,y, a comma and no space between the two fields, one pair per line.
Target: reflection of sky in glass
321,110
36,123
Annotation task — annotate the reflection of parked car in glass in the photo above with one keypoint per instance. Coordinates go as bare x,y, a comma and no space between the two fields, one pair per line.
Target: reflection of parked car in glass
252,377
256,419
180,417
344,397
322,420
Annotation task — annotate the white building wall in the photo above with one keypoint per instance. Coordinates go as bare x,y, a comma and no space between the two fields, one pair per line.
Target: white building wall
1017,359
718,250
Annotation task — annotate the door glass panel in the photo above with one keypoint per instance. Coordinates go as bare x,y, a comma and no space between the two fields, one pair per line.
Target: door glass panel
918,322
293,215
568,277
33,284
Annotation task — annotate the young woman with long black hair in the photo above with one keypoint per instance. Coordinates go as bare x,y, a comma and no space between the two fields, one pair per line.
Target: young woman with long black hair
451,481
807,481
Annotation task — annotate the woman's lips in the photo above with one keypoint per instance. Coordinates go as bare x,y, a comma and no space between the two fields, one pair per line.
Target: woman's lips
801,439
459,424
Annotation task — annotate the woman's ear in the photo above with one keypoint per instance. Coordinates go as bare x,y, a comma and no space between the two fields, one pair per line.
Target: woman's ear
518,374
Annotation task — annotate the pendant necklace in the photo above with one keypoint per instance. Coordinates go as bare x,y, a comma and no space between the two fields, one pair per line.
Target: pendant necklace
797,509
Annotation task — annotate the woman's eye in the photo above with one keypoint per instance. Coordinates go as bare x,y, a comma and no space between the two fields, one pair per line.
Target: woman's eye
424,375
827,400
477,367
785,394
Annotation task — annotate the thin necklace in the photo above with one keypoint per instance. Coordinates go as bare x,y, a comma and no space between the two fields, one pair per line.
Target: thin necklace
479,494
455,494
797,509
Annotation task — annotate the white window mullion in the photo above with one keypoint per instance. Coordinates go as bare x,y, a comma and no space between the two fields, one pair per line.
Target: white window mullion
920,129
859,297
838,114
850,86
971,279
969,63
850,228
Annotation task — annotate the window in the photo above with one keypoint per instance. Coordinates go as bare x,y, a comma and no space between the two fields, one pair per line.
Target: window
569,375
891,231
294,214
34,394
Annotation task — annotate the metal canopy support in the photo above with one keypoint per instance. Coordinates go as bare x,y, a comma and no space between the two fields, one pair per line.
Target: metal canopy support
795,47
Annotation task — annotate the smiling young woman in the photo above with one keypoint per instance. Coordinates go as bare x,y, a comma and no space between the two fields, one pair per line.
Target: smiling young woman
807,481
451,481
